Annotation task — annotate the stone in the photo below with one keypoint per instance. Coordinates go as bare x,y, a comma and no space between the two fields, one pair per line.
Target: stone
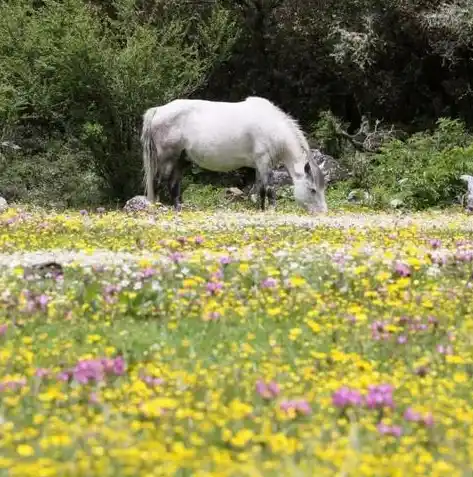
358,196
396,203
233,193
468,197
3,205
331,168
137,203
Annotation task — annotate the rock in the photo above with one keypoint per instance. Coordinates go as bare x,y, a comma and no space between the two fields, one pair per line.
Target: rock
137,203
10,145
468,197
358,196
396,203
331,168
233,193
3,205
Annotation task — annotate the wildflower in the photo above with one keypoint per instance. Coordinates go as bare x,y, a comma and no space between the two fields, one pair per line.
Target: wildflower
413,416
225,260
447,350
12,384
300,406
214,287
268,283
379,396
346,397
269,390
25,450
3,329
385,429
402,269
152,381
42,372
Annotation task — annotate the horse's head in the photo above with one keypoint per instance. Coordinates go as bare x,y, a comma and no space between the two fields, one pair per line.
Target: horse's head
309,190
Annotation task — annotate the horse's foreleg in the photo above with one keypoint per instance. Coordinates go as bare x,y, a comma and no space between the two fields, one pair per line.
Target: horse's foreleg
262,196
175,193
270,192
264,176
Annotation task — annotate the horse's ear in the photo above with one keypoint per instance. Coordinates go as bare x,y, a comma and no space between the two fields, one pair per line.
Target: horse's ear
307,169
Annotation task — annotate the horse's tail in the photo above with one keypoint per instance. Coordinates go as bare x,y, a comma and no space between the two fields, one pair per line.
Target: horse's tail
150,154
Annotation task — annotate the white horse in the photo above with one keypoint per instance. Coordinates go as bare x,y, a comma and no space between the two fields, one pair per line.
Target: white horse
224,136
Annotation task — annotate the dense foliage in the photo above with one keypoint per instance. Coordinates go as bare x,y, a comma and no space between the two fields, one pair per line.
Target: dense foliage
76,76
77,71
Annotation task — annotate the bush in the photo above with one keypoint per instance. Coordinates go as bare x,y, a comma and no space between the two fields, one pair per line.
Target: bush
59,178
68,69
423,171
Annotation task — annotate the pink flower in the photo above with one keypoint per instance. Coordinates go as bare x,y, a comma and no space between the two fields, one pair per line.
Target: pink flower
380,396
301,406
346,397
395,431
267,391
402,269
414,416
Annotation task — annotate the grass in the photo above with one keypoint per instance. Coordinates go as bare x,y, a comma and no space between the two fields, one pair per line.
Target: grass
237,348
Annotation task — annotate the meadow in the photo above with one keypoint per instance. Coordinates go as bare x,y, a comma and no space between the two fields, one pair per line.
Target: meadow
236,344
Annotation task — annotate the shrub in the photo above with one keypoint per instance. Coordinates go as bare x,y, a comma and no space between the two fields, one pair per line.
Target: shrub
423,171
68,69
59,178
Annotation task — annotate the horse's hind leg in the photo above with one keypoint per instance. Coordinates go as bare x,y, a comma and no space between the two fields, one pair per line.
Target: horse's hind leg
175,180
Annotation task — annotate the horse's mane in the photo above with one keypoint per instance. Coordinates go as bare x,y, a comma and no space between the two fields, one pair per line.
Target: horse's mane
289,120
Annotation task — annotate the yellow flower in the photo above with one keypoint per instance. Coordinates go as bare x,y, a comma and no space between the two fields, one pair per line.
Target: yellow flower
242,437
25,450
238,410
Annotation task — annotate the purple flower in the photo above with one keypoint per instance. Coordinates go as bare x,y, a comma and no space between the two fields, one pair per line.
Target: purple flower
225,260
3,329
402,339
379,396
83,212
346,397
199,240
152,381
100,210
464,255
213,287
411,415
395,431
42,301
402,269
148,272
414,416
269,390
301,406
269,283
176,257
89,370
13,384
42,372
435,243
378,331
444,349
